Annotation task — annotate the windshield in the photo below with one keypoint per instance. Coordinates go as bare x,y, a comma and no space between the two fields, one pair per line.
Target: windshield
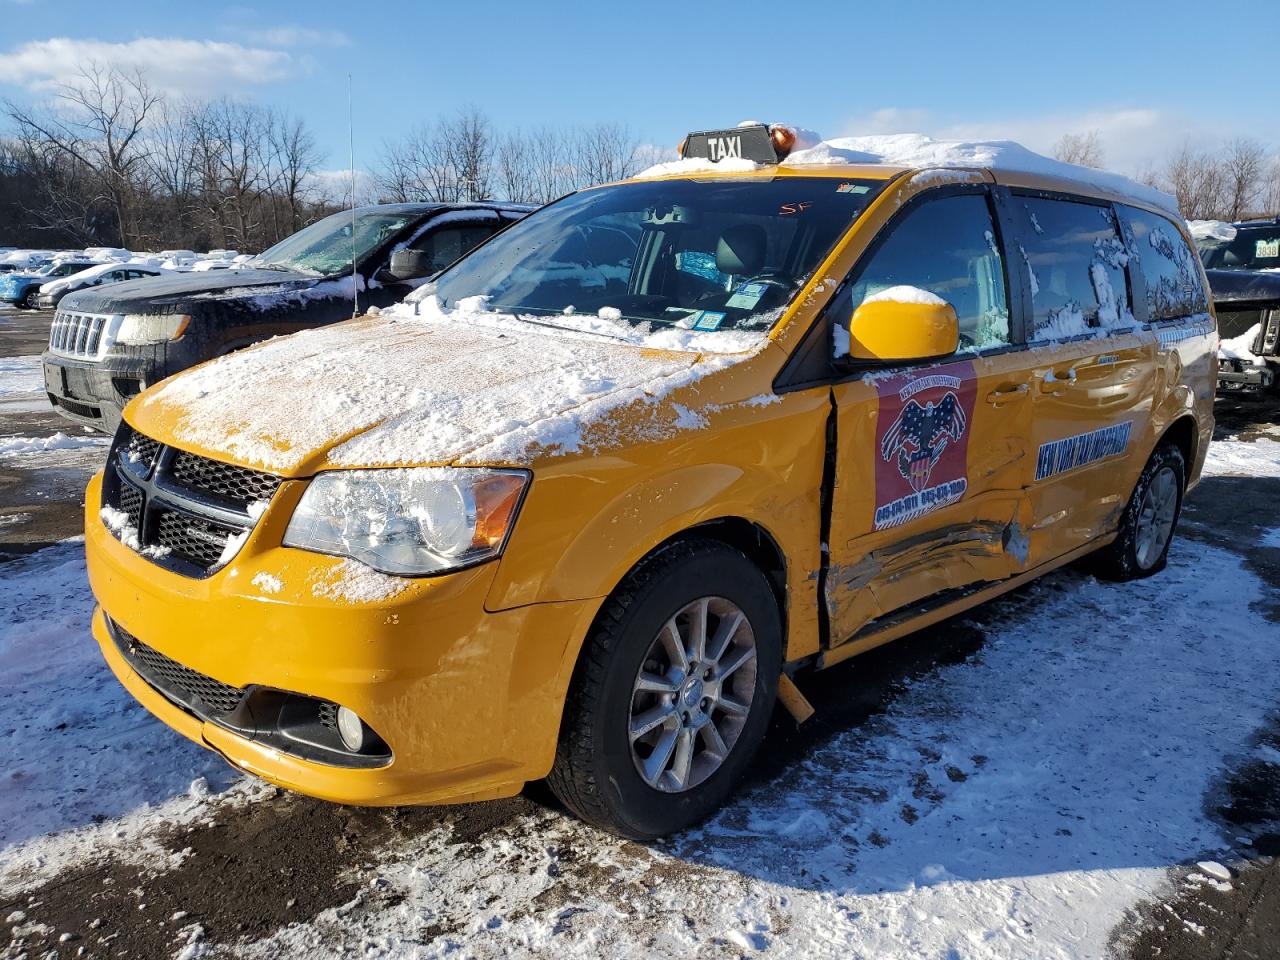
1248,250
325,247
706,255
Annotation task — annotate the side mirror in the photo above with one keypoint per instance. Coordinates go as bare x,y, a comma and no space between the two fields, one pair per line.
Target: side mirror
887,328
410,265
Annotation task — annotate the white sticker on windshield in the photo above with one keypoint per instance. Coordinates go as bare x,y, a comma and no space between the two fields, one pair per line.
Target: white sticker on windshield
1267,248
747,296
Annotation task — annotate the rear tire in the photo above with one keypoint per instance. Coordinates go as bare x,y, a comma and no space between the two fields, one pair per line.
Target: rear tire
1146,527
703,721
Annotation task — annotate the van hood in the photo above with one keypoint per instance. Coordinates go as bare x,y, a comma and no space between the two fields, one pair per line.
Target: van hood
180,292
382,391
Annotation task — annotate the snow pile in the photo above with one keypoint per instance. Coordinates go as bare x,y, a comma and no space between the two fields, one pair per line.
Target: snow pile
76,747
1211,230
1243,458
906,294
17,446
437,387
917,151
1240,348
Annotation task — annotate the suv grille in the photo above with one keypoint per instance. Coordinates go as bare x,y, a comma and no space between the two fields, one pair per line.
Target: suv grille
189,513
237,484
84,335
174,680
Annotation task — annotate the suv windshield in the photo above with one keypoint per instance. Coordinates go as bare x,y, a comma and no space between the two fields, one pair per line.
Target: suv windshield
707,255
1250,249
325,247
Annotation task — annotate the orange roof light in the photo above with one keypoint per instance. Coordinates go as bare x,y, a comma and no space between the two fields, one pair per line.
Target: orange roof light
784,138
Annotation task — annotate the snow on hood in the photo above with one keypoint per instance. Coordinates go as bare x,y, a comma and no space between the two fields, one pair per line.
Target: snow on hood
434,388
917,151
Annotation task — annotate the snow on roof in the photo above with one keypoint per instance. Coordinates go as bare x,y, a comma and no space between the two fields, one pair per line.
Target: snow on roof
1211,230
917,151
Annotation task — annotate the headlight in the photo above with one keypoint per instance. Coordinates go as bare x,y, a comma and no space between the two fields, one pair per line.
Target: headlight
408,521
140,328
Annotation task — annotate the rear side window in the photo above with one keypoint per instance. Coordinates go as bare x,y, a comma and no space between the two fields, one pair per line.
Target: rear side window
947,247
1168,265
1076,263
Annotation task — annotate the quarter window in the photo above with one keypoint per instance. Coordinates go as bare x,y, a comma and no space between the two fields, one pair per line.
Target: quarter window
1169,267
1076,265
947,247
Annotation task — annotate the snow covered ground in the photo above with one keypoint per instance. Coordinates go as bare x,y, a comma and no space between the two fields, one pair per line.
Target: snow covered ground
1015,804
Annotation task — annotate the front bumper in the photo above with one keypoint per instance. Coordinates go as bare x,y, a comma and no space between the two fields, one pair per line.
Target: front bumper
467,700
93,393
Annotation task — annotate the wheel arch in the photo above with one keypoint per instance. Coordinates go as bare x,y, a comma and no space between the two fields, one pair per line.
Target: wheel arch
1183,433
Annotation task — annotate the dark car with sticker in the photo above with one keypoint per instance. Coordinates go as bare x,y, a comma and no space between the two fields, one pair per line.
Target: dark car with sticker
107,344
1242,262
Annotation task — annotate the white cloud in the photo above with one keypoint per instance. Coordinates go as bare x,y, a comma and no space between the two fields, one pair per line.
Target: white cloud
1132,138
292,35
171,65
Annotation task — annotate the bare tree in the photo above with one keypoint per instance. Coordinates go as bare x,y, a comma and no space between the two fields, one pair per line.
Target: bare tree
1243,166
1084,149
97,122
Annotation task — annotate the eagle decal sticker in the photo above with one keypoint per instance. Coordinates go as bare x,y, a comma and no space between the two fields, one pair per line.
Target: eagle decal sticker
923,434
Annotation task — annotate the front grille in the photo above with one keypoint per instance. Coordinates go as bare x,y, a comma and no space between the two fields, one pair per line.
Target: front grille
79,409
82,335
190,513
1271,333
131,503
226,480
192,538
178,681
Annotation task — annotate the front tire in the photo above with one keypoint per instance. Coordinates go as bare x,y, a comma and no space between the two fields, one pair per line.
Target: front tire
29,300
672,693
1146,527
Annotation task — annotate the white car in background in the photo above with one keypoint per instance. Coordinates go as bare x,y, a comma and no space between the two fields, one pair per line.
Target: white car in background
53,291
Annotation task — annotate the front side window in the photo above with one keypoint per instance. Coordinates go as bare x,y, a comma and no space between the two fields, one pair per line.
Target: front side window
1076,263
1168,266
326,247
705,255
945,247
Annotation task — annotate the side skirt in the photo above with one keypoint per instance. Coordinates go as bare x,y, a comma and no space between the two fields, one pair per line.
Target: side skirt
927,614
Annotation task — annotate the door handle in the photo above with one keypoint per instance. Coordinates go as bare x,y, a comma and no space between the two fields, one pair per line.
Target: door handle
1007,394
1057,382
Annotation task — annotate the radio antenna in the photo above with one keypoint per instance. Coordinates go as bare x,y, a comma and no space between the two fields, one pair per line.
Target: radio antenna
351,153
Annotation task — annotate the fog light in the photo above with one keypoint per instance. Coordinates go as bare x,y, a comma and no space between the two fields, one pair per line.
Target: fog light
350,729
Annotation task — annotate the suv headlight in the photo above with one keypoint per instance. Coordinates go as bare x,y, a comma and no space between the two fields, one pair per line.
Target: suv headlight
139,328
410,521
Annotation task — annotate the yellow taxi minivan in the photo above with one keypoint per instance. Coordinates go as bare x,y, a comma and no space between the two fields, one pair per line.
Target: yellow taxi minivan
592,501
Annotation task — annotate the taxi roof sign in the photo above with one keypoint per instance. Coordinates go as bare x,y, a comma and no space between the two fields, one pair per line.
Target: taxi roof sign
749,142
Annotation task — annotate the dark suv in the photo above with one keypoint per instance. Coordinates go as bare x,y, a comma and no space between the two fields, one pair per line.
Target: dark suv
1243,266
109,343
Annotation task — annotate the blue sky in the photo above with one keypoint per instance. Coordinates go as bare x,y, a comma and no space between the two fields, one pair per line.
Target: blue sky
1146,76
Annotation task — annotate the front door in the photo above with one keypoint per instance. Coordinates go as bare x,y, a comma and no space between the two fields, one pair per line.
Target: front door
932,460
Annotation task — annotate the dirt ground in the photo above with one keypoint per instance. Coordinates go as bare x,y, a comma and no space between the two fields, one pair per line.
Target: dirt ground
250,871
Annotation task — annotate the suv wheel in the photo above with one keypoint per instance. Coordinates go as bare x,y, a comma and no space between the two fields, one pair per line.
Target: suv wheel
672,693
1148,522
